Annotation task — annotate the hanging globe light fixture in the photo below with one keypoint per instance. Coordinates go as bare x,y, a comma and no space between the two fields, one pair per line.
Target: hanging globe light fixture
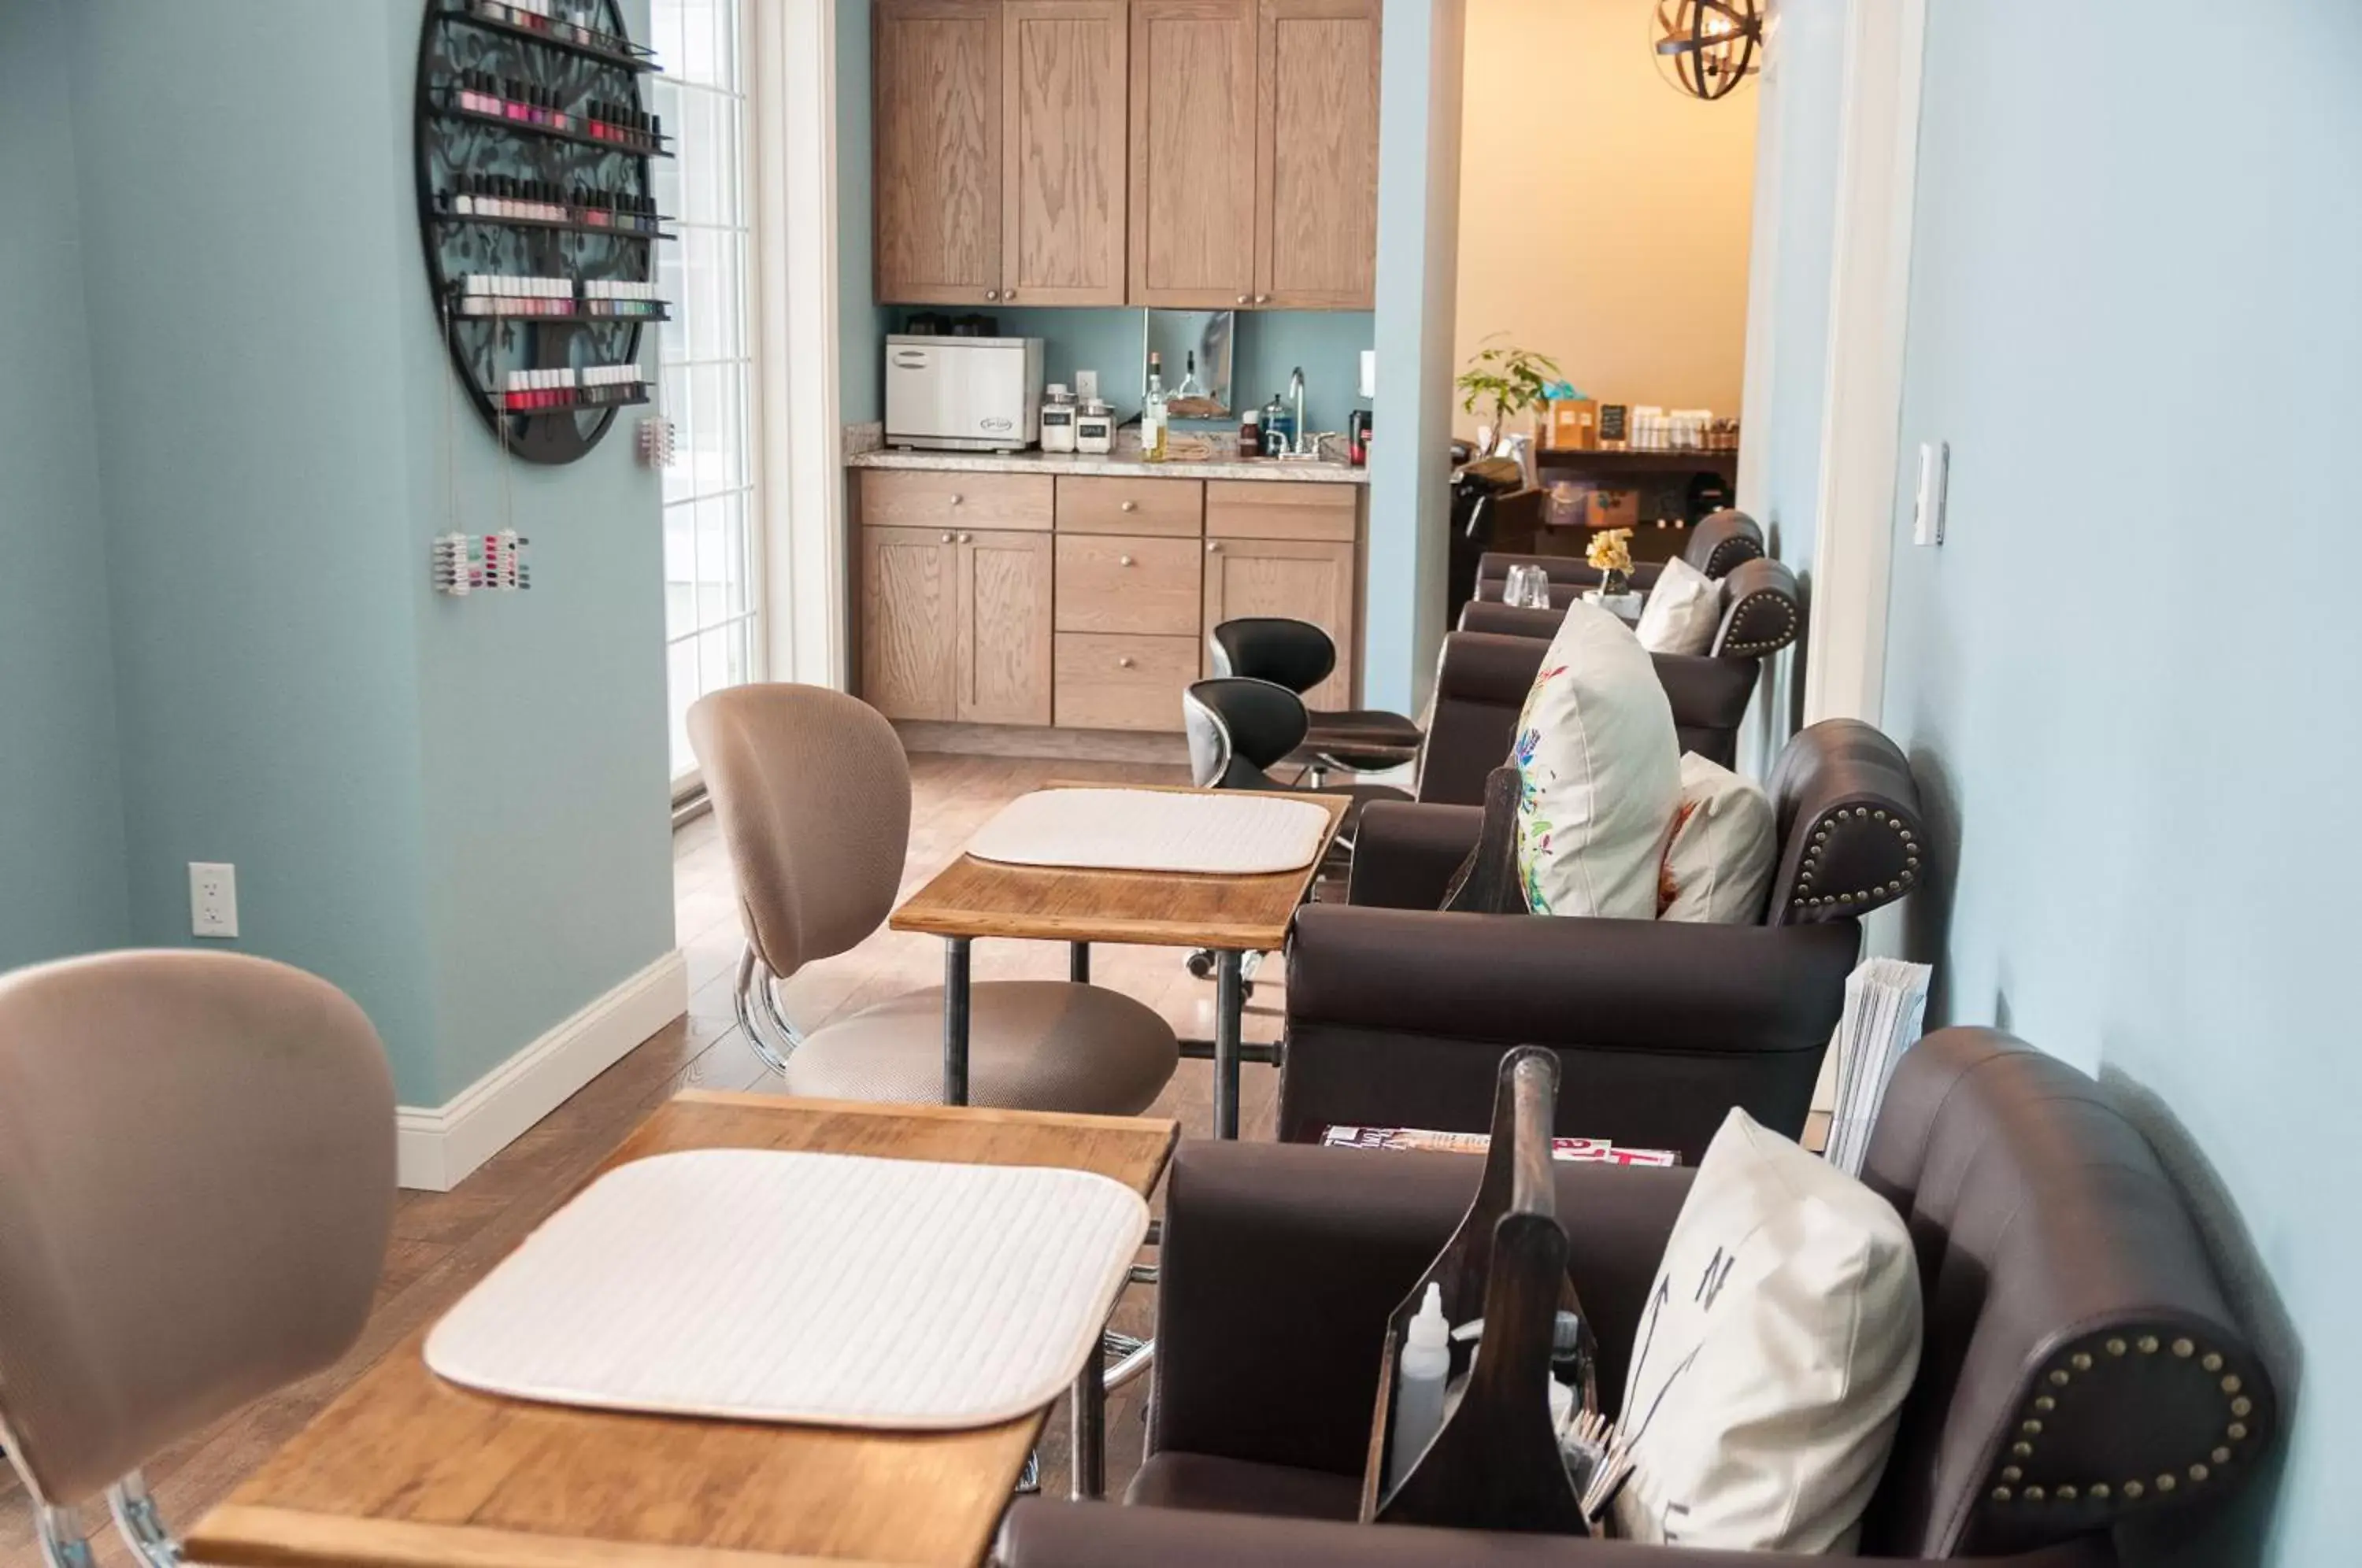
1709,46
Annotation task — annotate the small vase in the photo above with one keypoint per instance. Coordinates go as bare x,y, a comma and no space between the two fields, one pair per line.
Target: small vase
1613,584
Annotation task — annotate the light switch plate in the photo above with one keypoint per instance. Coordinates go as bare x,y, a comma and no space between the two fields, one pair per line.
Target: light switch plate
1934,480
1087,384
212,898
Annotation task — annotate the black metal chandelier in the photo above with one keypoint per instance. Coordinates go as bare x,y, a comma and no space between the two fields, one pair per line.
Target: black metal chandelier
1709,46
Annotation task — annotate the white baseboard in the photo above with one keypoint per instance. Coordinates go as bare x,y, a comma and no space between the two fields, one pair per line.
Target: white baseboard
435,1147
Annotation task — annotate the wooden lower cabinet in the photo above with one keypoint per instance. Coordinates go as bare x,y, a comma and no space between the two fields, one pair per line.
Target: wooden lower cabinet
1060,613
956,625
1003,668
1310,579
1122,681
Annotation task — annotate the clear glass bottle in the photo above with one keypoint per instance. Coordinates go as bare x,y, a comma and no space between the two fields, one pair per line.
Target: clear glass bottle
1154,419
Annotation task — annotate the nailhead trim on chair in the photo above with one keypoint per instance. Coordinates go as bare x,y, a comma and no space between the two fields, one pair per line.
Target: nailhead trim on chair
2006,1484
1760,645
1720,562
1811,869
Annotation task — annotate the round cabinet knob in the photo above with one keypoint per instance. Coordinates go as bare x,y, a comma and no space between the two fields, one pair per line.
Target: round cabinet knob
1124,561
1132,506
1244,300
992,293
1008,293
1263,299
967,538
957,497
947,538
1124,663
1213,547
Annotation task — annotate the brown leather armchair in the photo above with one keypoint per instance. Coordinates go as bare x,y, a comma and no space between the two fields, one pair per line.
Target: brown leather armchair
1481,685
2081,1365
1396,1012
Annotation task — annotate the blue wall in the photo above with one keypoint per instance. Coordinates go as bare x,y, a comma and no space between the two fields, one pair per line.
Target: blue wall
860,325
1418,252
455,811
60,793
1798,160
2129,678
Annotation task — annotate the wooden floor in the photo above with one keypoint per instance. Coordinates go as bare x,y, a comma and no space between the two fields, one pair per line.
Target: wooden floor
445,1242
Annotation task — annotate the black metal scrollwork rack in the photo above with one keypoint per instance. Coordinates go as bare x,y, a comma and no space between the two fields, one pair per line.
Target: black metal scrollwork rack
567,125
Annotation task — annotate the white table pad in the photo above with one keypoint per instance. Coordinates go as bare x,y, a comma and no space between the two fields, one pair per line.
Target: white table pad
1219,834
833,1290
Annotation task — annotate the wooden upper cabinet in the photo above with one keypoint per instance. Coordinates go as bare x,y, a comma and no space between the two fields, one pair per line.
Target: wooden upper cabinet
1064,68
1316,154
1193,153
937,131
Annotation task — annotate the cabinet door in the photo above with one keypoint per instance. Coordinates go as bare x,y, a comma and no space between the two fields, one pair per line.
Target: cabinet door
937,127
1310,579
1064,66
1004,628
1193,153
1316,154
909,620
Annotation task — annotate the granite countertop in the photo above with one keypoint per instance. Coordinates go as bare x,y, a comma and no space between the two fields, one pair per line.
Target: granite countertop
1120,466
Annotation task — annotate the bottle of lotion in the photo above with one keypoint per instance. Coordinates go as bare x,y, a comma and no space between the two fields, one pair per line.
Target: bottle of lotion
1421,1374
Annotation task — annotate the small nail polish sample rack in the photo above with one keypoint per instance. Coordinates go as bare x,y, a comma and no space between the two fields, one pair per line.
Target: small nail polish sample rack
537,210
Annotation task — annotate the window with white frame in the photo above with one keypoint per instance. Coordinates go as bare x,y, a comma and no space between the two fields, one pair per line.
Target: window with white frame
713,635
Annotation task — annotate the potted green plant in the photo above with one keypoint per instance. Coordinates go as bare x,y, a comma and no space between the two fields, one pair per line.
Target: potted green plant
1508,378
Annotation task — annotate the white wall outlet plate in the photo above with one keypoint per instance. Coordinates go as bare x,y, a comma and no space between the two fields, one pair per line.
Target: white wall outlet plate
1934,479
212,898
1087,384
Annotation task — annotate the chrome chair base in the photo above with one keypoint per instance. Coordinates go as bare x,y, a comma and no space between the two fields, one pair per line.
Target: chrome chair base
141,1523
756,1002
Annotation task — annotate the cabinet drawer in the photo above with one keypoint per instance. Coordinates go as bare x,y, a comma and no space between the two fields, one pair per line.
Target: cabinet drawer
932,497
1129,506
1108,582
1280,509
1122,683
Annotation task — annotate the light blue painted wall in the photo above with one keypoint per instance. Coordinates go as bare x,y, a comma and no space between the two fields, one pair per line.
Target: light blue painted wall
860,325
2129,678
1799,161
1418,207
454,811
60,793
547,809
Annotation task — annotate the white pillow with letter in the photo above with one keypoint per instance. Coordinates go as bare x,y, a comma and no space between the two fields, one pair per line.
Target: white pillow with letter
1683,610
1773,1356
1600,772
1719,864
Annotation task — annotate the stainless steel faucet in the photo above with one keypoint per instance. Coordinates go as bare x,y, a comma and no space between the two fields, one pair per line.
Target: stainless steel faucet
1296,393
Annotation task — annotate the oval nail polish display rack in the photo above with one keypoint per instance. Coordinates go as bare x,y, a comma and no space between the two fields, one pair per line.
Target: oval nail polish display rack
537,208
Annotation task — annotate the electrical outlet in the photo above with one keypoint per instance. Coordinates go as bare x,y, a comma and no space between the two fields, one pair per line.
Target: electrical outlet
212,898
1087,384
1934,479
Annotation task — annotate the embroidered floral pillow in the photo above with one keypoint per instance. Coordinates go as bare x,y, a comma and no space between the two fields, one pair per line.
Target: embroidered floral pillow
1599,773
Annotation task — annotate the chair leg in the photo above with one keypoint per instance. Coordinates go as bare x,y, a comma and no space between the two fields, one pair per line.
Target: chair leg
140,1523
65,1540
754,987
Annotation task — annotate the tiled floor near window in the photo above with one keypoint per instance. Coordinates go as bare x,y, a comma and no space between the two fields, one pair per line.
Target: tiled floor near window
445,1242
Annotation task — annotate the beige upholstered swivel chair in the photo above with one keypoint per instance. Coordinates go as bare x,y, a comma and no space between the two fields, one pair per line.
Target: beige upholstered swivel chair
196,1185
813,796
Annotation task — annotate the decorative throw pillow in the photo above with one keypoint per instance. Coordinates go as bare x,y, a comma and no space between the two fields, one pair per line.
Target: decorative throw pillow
1599,773
1719,866
1771,1364
1683,610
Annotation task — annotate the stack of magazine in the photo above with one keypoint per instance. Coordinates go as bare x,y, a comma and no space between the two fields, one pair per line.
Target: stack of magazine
1885,1003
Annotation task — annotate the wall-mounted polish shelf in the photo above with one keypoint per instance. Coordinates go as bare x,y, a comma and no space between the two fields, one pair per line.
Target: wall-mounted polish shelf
553,106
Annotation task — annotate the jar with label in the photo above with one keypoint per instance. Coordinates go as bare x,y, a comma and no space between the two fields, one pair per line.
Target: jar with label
1058,419
1095,428
1251,433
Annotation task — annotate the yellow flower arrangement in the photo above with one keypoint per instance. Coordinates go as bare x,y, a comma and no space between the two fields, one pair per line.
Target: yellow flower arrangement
1611,550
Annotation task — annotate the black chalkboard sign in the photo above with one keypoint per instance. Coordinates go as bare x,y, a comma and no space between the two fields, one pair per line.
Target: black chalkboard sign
1614,424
